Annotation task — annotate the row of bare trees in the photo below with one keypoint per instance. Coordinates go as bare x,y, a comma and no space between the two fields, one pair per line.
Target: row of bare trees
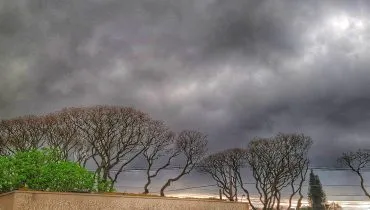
276,164
109,138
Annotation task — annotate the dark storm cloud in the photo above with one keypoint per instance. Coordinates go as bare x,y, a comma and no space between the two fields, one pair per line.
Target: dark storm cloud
233,69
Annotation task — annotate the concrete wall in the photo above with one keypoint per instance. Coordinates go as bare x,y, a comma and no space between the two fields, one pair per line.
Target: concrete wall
6,201
30,200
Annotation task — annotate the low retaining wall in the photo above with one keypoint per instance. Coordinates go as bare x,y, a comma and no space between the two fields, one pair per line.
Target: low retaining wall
27,200
6,201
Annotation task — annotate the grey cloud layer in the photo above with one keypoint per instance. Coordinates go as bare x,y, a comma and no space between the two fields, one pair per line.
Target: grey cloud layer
234,69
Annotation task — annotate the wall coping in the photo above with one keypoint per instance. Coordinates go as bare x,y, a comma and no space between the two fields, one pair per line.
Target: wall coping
7,193
117,195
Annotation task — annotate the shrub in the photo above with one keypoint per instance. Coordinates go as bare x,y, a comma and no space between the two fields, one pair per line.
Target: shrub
9,178
65,177
45,170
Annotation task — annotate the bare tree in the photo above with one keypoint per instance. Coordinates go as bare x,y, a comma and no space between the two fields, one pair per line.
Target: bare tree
114,133
193,146
296,150
261,160
22,133
159,146
356,161
276,163
223,167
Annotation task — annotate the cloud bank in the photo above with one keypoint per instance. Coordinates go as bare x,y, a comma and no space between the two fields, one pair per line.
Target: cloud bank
233,69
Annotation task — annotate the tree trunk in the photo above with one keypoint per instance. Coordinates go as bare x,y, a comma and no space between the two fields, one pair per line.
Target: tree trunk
299,202
146,190
168,183
292,195
231,186
228,195
278,201
290,202
362,184
149,180
245,190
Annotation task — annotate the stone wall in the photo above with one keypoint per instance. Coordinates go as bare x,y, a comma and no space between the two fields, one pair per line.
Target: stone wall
27,200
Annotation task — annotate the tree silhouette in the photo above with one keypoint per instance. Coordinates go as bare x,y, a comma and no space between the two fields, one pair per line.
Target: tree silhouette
316,195
275,163
159,143
357,161
192,146
224,168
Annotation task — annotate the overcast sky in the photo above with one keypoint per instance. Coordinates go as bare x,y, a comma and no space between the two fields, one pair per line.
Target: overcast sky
233,69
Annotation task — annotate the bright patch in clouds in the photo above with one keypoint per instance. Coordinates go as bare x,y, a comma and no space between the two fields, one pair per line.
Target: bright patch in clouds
340,23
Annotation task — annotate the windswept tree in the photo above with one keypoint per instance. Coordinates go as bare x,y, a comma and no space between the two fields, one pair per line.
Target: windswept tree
192,146
356,162
114,133
22,134
224,167
159,150
275,162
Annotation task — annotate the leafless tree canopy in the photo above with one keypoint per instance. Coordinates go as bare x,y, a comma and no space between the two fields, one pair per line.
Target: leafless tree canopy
300,163
114,134
61,133
192,146
224,167
23,133
275,163
357,161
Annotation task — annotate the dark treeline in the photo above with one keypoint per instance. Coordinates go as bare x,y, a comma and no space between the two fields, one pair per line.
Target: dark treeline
276,164
112,137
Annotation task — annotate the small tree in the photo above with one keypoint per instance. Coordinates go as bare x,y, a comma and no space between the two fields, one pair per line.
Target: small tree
224,167
159,146
193,146
357,161
316,194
